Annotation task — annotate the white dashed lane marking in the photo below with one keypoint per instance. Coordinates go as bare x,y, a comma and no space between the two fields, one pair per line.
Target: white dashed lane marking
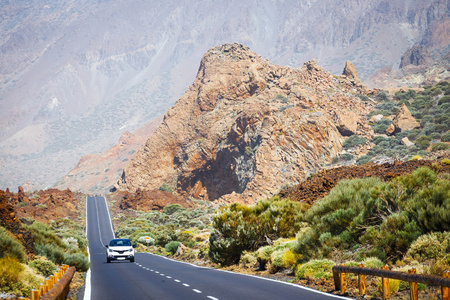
176,280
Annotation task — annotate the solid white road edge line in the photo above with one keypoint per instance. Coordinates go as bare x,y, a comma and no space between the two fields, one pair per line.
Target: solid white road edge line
87,283
110,221
263,278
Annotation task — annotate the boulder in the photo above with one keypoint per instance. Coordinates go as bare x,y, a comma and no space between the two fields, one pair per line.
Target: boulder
390,130
375,119
407,142
346,122
403,120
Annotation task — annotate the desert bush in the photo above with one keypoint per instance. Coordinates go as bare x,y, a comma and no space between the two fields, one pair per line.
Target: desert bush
346,156
363,160
242,228
44,235
45,267
430,246
263,255
11,247
172,208
172,247
439,147
446,137
382,96
444,99
446,161
353,141
16,278
316,269
394,285
382,126
423,142
10,269
372,262
77,260
165,188
51,251
248,260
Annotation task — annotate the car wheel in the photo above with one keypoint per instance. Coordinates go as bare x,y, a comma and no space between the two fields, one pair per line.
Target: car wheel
108,260
132,259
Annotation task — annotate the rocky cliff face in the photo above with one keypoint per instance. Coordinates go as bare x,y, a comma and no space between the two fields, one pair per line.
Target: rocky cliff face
246,126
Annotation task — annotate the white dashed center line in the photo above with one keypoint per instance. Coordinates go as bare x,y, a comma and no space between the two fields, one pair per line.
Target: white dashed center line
176,280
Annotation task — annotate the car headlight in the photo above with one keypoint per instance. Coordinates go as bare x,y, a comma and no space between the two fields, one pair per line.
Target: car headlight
131,250
110,250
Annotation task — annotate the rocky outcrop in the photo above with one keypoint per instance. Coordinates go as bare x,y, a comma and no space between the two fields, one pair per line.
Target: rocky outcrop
245,127
350,72
416,56
403,120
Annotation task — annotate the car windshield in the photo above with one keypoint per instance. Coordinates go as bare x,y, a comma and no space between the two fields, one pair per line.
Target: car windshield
120,243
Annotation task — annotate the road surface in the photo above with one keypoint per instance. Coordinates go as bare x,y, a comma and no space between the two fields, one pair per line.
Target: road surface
157,277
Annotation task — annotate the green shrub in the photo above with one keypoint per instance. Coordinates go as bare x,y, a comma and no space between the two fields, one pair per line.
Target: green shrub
10,269
242,228
353,141
172,208
430,246
78,260
172,247
10,247
263,255
248,260
346,156
51,251
45,267
316,269
382,96
382,126
165,188
373,263
439,146
363,160
444,99
446,137
423,142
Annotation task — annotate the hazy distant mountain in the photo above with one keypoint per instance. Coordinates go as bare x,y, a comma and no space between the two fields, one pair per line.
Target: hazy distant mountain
75,75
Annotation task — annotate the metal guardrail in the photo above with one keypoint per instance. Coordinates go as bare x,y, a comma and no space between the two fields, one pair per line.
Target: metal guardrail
339,274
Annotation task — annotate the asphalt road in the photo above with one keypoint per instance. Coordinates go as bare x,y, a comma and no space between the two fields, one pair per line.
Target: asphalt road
157,277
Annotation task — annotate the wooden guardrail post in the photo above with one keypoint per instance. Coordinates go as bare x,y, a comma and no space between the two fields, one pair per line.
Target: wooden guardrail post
35,295
362,282
385,285
337,280
343,280
445,290
414,293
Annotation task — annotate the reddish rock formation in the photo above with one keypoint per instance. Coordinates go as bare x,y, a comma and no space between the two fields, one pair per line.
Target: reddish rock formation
148,200
11,222
320,184
46,205
245,127
350,72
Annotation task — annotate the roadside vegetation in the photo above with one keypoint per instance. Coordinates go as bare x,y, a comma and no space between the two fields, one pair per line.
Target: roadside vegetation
403,222
60,242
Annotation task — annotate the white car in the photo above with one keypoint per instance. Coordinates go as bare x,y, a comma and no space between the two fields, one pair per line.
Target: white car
119,249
